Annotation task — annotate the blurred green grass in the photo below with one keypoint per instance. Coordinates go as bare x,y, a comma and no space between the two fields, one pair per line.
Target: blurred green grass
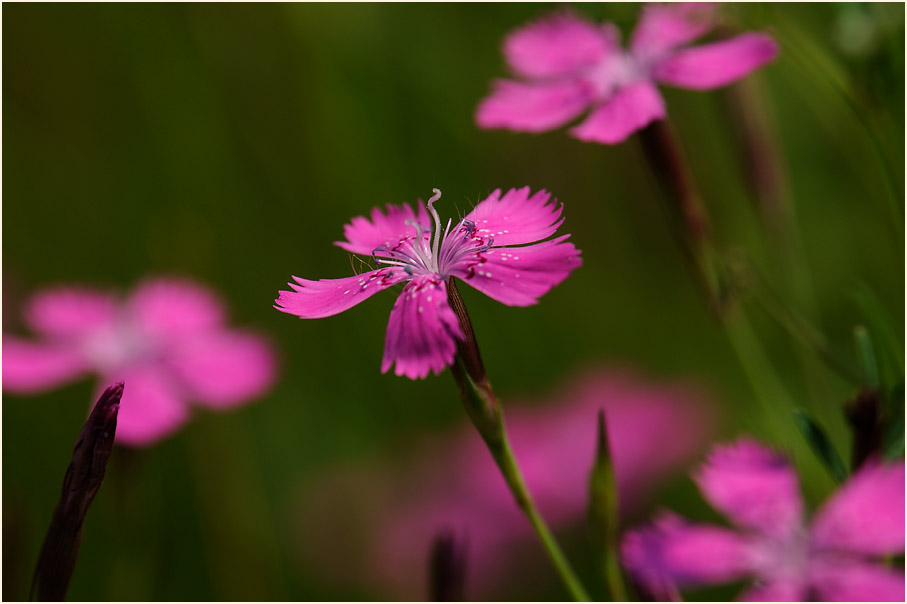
231,143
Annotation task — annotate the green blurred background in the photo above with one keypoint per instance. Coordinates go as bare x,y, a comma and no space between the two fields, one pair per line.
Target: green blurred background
230,143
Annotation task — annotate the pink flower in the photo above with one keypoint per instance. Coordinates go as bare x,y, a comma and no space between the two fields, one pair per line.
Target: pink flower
569,65
485,249
756,489
166,341
453,483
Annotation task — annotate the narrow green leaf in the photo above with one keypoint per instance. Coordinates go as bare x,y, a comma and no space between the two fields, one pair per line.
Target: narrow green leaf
820,444
867,356
893,440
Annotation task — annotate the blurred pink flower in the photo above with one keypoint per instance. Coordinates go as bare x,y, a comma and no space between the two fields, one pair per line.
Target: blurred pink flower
569,65
479,250
655,430
167,342
757,490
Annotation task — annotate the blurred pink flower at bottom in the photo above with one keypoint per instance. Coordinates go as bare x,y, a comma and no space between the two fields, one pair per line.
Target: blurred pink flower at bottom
655,430
836,557
167,341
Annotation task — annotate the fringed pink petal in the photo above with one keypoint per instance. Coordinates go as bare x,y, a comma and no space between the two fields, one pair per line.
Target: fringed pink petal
673,551
517,218
754,487
172,308
866,515
532,107
558,45
663,27
714,65
30,367
384,228
630,109
518,276
66,312
224,369
838,579
151,408
327,297
422,330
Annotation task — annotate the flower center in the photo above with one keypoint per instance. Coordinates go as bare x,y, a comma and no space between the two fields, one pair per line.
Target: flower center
614,72
430,253
120,345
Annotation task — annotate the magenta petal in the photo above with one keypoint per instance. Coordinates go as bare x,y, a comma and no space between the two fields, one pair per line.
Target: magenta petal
753,486
69,311
30,367
531,107
174,307
629,110
558,45
422,330
717,64
663,27
518,276
150,408
517,218
327,297
225,369
364,235
842,580
866,515
675,551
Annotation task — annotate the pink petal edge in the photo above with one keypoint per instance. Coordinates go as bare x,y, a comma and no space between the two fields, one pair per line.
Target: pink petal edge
422,330
517,218
172,308
150,409
383,228
630,109
519,276
30,367
557,45
718,64
753,486
866,515
225,369
66,312
532,107
328,297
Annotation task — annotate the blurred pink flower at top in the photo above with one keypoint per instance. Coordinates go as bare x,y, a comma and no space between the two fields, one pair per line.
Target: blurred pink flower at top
654,431
832,558
569,65
167,342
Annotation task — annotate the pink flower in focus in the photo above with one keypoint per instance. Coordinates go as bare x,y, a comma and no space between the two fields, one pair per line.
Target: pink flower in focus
569,65
485,249
167,342
655,430
757,490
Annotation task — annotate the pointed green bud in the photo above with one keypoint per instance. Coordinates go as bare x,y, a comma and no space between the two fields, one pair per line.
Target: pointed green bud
604,521
821,445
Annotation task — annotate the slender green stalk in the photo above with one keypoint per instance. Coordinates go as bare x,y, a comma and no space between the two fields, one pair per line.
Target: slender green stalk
604,521
747,279
486,414
690,224
511,472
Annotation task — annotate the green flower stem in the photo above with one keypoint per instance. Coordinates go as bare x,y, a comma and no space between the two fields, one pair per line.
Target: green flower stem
688,217
690,224
486,414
